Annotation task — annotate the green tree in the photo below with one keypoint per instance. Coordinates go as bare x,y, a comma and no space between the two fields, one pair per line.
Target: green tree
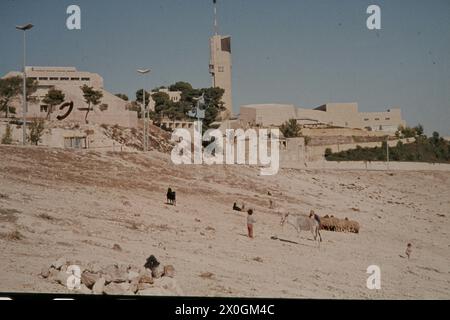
181,86
290,129
36,131
7,137
419,129
139,97
122,96
11,88
92,97
53,98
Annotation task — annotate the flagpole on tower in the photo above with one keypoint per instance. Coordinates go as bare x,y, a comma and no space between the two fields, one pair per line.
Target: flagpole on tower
215,17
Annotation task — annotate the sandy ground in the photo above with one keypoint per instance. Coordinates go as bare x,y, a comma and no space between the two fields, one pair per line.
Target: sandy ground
79,204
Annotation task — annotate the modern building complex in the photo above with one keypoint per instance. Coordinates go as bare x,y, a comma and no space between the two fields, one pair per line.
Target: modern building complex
111,110
220,66
332,114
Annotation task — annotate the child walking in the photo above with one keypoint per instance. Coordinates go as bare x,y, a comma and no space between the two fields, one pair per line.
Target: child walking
250,221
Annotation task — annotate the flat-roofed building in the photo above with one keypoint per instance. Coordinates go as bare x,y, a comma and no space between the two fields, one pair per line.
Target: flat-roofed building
267,115
344,115
69,80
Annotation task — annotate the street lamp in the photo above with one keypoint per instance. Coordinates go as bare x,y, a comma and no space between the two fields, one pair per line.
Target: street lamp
24,28
144,71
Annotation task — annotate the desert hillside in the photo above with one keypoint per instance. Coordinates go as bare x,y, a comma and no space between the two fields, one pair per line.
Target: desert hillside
110,208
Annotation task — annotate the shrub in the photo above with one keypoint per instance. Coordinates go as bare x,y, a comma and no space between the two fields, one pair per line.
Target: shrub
36,131
7,137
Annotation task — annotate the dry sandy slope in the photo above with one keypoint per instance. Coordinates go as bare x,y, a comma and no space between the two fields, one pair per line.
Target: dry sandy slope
92,201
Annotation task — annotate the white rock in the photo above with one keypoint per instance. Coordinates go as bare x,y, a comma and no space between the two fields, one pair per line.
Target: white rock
132,275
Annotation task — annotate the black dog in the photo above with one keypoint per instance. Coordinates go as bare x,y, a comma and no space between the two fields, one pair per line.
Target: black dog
171,197
235,207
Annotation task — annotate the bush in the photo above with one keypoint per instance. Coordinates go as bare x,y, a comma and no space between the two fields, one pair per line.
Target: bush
291,129
36,131
434,149
7,137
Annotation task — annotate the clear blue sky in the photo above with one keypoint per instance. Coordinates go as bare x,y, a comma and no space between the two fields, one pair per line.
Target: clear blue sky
289,51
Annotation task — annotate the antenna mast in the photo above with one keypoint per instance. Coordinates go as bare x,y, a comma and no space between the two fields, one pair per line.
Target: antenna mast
215,18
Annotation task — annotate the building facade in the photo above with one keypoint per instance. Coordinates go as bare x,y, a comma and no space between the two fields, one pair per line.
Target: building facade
220,69
111,110
344,115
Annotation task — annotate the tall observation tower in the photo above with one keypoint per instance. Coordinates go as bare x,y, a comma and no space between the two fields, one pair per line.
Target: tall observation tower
220,65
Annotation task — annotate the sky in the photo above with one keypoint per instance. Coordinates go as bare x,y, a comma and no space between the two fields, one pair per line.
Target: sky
305,53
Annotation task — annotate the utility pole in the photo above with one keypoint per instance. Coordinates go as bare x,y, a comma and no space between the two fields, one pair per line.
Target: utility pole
144,108
24,28
387,152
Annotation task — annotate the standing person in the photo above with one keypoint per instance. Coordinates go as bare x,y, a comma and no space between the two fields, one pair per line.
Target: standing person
250,221
408,250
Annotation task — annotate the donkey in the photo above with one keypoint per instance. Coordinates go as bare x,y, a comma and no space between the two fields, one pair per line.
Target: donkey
302,222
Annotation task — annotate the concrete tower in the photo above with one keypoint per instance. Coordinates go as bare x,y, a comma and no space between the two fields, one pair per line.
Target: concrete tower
220,65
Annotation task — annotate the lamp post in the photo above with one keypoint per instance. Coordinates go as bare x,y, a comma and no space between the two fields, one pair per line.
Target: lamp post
144,142
24,28
387,152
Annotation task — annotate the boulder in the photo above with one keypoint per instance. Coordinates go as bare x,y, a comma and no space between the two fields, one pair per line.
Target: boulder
169,271
132,275
99,286
89,278
145,279
84,290
94,267
133,288
59,263
169,284
114,289
114,273
143,286
155,292
53,273
45,272
62,277
156,272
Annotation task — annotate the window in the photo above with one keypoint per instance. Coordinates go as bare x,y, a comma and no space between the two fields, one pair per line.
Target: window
75,79
63,78
75,142
44,108
53,78
377,119
387,119
33,78
366,119
221,69
43,78
85,79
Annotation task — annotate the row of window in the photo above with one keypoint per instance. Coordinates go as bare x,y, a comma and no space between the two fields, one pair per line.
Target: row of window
376,119
60,78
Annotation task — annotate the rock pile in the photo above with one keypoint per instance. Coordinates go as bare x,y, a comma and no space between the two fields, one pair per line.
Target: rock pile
114,279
